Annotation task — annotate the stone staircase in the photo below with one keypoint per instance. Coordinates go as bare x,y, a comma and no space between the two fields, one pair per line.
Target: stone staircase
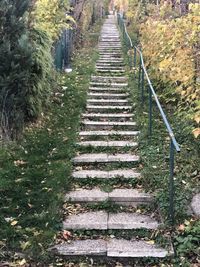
108,155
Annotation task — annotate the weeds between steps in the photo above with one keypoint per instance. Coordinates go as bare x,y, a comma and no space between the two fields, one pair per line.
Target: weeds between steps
35,172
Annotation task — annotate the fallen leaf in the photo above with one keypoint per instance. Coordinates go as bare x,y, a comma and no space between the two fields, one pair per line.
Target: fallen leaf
196,132
181,227
22,262
13,223
151,242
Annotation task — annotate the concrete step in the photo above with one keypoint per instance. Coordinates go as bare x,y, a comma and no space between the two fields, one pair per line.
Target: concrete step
110,53
108,133
103,102
97,174
107,90
110,84
110,71
134,249
119,248
105,108
109,117
111,57
104,124
88,247
115,60
117,196
110,48
101,220
105,158
107,96
108,67
110,64
109,79
113,144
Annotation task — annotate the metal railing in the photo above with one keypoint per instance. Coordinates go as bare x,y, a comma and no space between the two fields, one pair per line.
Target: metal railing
142,74
63,50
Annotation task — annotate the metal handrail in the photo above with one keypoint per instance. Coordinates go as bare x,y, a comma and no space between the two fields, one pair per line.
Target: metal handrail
142,74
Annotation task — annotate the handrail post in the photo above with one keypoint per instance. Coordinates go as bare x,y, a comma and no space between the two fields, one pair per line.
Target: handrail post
131,61
135,61
150,112
142,86
139,76
171,184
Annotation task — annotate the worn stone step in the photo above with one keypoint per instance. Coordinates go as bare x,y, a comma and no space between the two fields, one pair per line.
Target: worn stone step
88,247
119,248
109,64
115,60
107,90
101,220
134,249
108,133
110,53
110,71
108,67
97,174
111,48
102,101
109,78
105,108
122,117
97,220
110,84
108,124
121,144
121,196
105,158
109,44
107,95
110,56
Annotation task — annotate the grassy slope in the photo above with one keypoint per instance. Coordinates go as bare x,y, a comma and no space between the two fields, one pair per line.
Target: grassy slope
35,172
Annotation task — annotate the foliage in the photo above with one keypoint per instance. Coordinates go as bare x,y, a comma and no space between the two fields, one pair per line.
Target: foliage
26,69
15,65
51,16
187,241
170,47
154,153
121,5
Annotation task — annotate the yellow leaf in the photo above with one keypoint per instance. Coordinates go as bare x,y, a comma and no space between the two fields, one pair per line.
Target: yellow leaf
197,118
22,262
151,242
13,223
25,245
196,132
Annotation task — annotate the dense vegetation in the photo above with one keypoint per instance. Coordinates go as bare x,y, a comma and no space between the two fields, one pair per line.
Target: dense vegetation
169,36
28,32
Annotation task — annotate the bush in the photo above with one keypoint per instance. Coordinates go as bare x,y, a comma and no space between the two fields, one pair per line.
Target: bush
170,47
25,67
15,65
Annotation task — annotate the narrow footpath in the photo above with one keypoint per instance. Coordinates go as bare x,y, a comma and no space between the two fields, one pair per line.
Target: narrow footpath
106,168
